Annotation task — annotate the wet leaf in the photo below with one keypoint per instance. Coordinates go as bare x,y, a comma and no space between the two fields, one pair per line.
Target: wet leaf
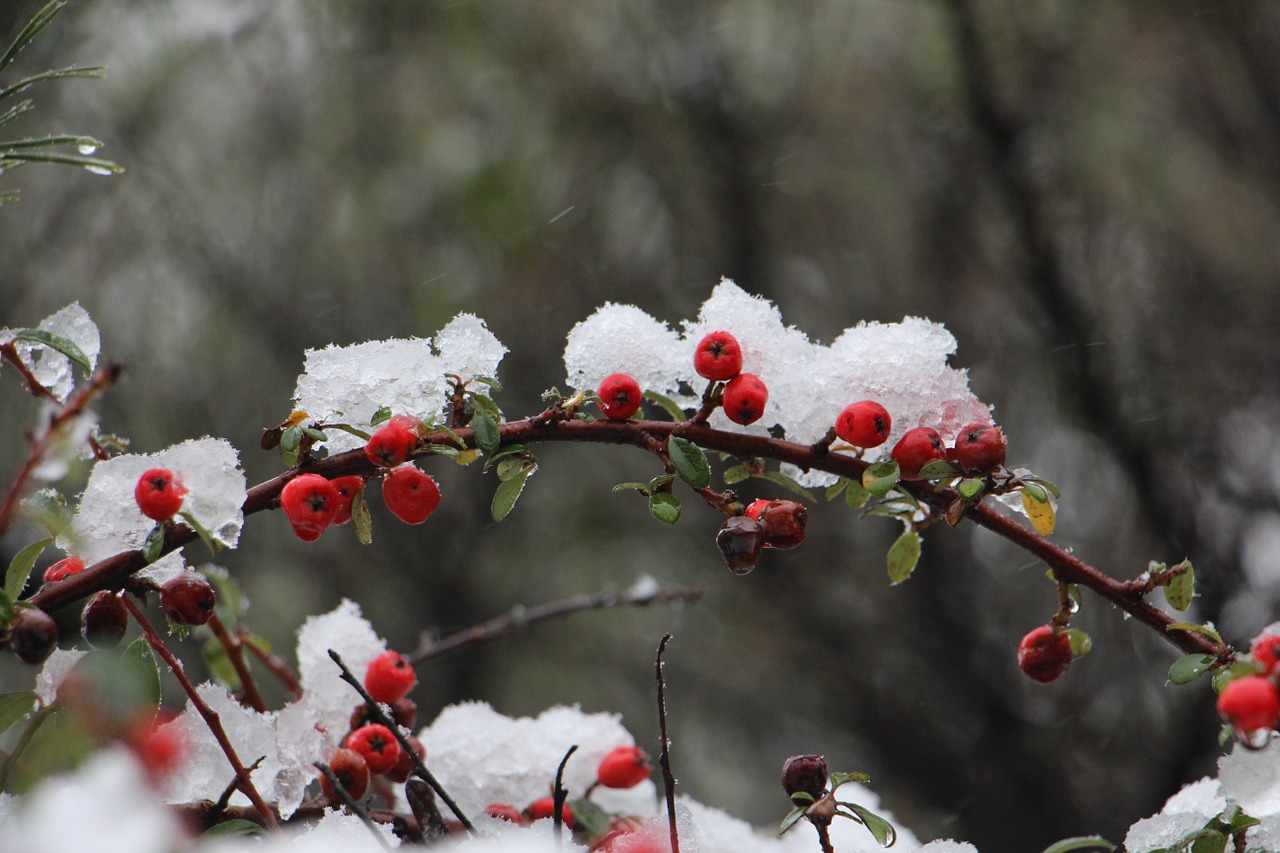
361,519
153,548
63,345
486,432
691,463
878,826
1039,509
793,817
970,488
903,556
15,579
507,493
1182,586
665,507
1081,643
855,496
1205,630
736,474
880,477
1189,668
14,707
939,469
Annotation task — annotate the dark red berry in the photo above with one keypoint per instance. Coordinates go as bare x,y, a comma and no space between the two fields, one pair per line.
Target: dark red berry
310,502
1250,703
718,357
159,494
864,424
188,599
104,620
410,494
347,488
404,712
545,807
503,811
63,569
32,634
917,448
351,770
979,447
404,767
378,745
740,541
805,774
783,523
1266,651
389,677
1044,654
623,767
393,442
744,399
619,396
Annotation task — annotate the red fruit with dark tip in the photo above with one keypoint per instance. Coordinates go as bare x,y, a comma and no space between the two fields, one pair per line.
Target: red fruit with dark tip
740,541
805,774
620,396
393,442
623,767
917,448
346,487
718,357
545,807
404,767
744,398
1044,654
864,424
351,770
310,502
188,599
378,745
389,677
63,569
410,494
1266,651
783,523
979,447
32,634
104,620
503,811
1250,703
159,494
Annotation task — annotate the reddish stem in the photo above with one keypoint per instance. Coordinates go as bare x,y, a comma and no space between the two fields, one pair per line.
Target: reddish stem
273,663
235,653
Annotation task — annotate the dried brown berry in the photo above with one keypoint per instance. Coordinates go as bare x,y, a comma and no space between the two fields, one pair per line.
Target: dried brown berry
805,774
104,620
32,635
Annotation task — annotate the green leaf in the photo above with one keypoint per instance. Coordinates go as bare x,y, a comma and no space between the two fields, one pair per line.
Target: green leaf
206,537
1239,669
486,432
457,439
970,488
622,487
140,662
37,23
668,405
485,403
1241,821
939,469
1182,586
589,818
736,474
6,607
793,817
382,415
348,428
1047,486
880,477
83,72
879,827
361,518
15,580
660,481
856,496
153,548
1205,630
1081,643
314,434
691,463
232,828
1208,841
1080,842
1038,508
1189,668
507,493
665,507
514,466
1036,493
833,491
787,483
291,439
14,707
838,779
488,380
903,556
220,665
63,345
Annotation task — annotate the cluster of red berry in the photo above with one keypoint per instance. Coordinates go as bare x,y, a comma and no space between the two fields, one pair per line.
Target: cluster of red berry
978,448
1251,703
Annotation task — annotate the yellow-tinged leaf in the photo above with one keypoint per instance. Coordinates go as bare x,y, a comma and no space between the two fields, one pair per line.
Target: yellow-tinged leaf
1041,513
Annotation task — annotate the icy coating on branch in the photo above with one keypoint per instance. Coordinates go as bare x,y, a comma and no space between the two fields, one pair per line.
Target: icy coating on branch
51,368
903,366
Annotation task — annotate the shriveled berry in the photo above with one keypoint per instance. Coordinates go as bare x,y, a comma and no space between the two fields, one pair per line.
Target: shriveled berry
545,807
404,766
740,541
410,494
1044,654
917,448
63,569
310,502
1266,651
783,523
351,770
744,398
504,811
1250,703
718,357
620,396
979,447
32,634
104,620
864,424
805,774
347,488
378,745
393,442
389,677
188,599
159,493
623,767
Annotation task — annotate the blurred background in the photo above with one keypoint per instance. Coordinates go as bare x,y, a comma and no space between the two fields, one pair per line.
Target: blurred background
1086,194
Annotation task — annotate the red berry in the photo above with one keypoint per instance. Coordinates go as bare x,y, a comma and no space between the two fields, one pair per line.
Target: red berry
104,620
805,774
718,357
783,523
979,447
63,569
1250,703
188,599
502,811
1266,651
351,770
346,487
624,767
389,677
917,448
410,494
864,424
159,494
404,767
378,745
740,541
393,442
544,807
32,634
404,711
744,398
310,502
159,747
619,396
756,507
1044,654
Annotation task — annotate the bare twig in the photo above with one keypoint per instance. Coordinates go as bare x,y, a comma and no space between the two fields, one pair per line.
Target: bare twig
559,795
235,653
351,803
664,756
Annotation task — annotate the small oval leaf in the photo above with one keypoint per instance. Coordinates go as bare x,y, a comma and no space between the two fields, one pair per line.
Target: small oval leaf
855,496
878,826
880,477
507,493
938,469
903,556
63,345
691,463
970,488
15,706
15,579
1043,518
1182,586
486,432
1189,668
1081,643
665,507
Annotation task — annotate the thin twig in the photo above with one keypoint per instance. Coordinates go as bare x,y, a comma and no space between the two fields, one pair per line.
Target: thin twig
274,664
664,757
224,800
235,654
559,795
350,802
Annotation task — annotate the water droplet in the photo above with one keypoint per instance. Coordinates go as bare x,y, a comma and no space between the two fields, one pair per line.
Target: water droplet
87,148
98,170
1073,606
